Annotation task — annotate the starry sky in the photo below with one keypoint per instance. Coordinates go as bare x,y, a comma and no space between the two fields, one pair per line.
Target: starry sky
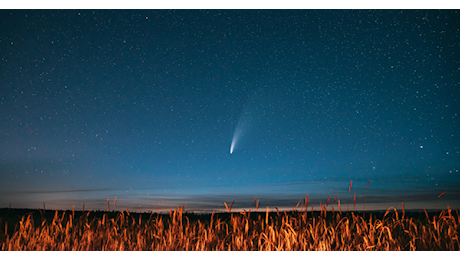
144,105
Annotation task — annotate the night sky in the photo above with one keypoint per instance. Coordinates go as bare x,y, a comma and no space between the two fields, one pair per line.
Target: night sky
144,105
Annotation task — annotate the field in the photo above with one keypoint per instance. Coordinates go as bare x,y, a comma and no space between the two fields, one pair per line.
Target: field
270,230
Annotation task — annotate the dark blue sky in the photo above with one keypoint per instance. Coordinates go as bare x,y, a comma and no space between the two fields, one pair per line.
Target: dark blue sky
143,105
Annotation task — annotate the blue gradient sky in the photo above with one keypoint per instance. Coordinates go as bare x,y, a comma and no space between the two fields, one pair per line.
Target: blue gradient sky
142,105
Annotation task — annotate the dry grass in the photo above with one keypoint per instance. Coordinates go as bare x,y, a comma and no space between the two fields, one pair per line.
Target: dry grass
295,230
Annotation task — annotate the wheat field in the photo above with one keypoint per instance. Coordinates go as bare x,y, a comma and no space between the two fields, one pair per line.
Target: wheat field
249,231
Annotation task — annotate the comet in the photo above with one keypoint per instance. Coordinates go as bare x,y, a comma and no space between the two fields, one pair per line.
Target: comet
251,111
236,137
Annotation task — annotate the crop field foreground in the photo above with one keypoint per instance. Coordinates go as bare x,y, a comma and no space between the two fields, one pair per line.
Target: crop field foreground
296,230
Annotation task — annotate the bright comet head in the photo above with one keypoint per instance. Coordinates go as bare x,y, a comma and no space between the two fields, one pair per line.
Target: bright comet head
232,146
